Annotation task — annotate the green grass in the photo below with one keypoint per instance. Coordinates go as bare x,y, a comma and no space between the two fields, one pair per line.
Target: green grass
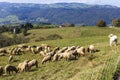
102,67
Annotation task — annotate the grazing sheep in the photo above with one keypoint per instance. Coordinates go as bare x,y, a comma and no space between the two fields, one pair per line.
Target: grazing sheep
91,49
52,53
10,58
42,53
63,50
1,70
46,58
33,62
9,68
113,39
2,54
23,46
2,50
36,49
70,55
81,51
23,66
55,57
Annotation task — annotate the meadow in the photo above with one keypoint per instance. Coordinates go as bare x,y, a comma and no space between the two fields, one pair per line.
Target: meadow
101,65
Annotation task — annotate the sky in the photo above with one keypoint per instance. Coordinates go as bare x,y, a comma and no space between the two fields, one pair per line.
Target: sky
100,2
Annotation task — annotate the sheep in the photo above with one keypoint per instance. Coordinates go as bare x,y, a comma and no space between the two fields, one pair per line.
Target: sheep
1,70
23,66
42,53
46,58
113,39
36,49
46,47
66,52
9,68
10,58
81,51
33,62
3,52
23,46
70,55
63,50
91,49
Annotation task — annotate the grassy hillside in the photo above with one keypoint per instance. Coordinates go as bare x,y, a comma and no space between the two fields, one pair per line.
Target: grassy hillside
101,67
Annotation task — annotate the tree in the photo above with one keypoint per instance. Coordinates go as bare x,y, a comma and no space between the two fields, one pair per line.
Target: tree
116,22
24,31
101,23
28,25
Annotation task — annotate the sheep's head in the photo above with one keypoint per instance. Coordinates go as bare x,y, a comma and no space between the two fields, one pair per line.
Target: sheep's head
110,35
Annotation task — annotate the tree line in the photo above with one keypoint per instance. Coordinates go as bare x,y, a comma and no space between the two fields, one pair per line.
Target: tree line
102,23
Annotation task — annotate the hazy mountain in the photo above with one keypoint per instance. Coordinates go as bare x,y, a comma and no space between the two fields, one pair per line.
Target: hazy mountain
59,13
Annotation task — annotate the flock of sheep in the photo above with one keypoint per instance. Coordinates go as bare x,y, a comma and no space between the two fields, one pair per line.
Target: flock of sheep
48,53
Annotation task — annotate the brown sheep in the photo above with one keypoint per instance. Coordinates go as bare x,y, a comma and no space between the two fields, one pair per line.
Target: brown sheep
1,70
33,62
9,68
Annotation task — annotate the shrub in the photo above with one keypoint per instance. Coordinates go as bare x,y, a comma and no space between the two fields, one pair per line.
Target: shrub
116,22
101,23
53,37
39,39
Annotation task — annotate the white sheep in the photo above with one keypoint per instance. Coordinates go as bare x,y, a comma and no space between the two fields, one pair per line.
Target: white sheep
81,51
91,49
33,62
113,39
23,66
46,58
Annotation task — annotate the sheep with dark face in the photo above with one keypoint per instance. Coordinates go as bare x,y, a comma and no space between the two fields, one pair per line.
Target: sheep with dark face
9,68
33,62
91,49
1,70
113,39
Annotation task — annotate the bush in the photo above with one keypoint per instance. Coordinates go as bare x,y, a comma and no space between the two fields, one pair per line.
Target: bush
6,41
101,23
53,37
39,39
116,22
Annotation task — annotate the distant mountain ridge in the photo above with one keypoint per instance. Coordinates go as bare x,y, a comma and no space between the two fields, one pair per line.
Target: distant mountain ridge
58,13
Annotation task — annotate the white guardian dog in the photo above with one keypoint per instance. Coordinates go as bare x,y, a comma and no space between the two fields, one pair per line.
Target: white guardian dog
113,39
